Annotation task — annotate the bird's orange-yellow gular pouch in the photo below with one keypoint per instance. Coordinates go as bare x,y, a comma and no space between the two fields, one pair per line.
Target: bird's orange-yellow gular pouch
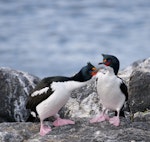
104,61
94,71
93,68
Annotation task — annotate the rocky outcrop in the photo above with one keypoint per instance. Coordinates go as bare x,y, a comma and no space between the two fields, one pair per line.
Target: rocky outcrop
83,104
14,89
82,131
139,87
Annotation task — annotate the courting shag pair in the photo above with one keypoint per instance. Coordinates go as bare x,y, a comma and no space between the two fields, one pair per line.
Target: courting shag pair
52,93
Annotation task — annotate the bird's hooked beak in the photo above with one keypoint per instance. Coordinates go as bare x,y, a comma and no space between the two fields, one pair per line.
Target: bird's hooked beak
104,61
100,63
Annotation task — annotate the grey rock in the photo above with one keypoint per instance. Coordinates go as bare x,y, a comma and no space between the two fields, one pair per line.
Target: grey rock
139,87
142,116
84,102
14,90
126,73
139,91
83,105
82,131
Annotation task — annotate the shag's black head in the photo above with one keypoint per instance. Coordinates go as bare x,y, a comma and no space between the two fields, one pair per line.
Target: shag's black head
87,71
112,61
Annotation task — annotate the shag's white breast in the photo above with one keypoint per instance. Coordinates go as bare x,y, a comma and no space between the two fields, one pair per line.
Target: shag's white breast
60,96
108,88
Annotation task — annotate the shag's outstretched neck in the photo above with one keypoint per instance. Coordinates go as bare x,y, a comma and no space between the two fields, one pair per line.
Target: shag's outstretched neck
84,74
78,77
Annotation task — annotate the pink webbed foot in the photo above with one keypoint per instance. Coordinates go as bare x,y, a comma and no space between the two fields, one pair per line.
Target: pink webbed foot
114,120
100,118
61,122
44,130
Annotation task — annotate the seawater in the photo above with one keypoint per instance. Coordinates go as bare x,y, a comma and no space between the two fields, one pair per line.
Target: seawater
58,37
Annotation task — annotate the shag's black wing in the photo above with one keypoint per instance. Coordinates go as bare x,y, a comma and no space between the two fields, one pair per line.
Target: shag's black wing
33,101
124,90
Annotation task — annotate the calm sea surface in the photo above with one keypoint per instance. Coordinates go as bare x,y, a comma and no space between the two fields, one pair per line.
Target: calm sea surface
58,37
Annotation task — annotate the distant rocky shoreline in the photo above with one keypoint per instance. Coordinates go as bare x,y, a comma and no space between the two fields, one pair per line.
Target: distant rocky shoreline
83,104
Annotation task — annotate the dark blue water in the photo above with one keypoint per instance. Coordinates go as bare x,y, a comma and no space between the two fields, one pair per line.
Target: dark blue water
58,37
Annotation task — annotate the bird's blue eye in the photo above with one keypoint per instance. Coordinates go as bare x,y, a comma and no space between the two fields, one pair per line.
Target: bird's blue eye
108,60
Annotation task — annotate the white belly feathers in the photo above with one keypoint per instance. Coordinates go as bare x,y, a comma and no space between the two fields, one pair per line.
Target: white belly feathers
60,96
109,92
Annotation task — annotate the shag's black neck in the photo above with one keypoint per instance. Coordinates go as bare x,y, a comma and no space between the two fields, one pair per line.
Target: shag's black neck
78,77
116,68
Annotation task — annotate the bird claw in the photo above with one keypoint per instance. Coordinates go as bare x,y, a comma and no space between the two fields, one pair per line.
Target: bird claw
115,121
44,130
61,122
99,118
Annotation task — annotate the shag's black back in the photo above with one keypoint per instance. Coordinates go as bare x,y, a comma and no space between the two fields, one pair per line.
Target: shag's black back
46,82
